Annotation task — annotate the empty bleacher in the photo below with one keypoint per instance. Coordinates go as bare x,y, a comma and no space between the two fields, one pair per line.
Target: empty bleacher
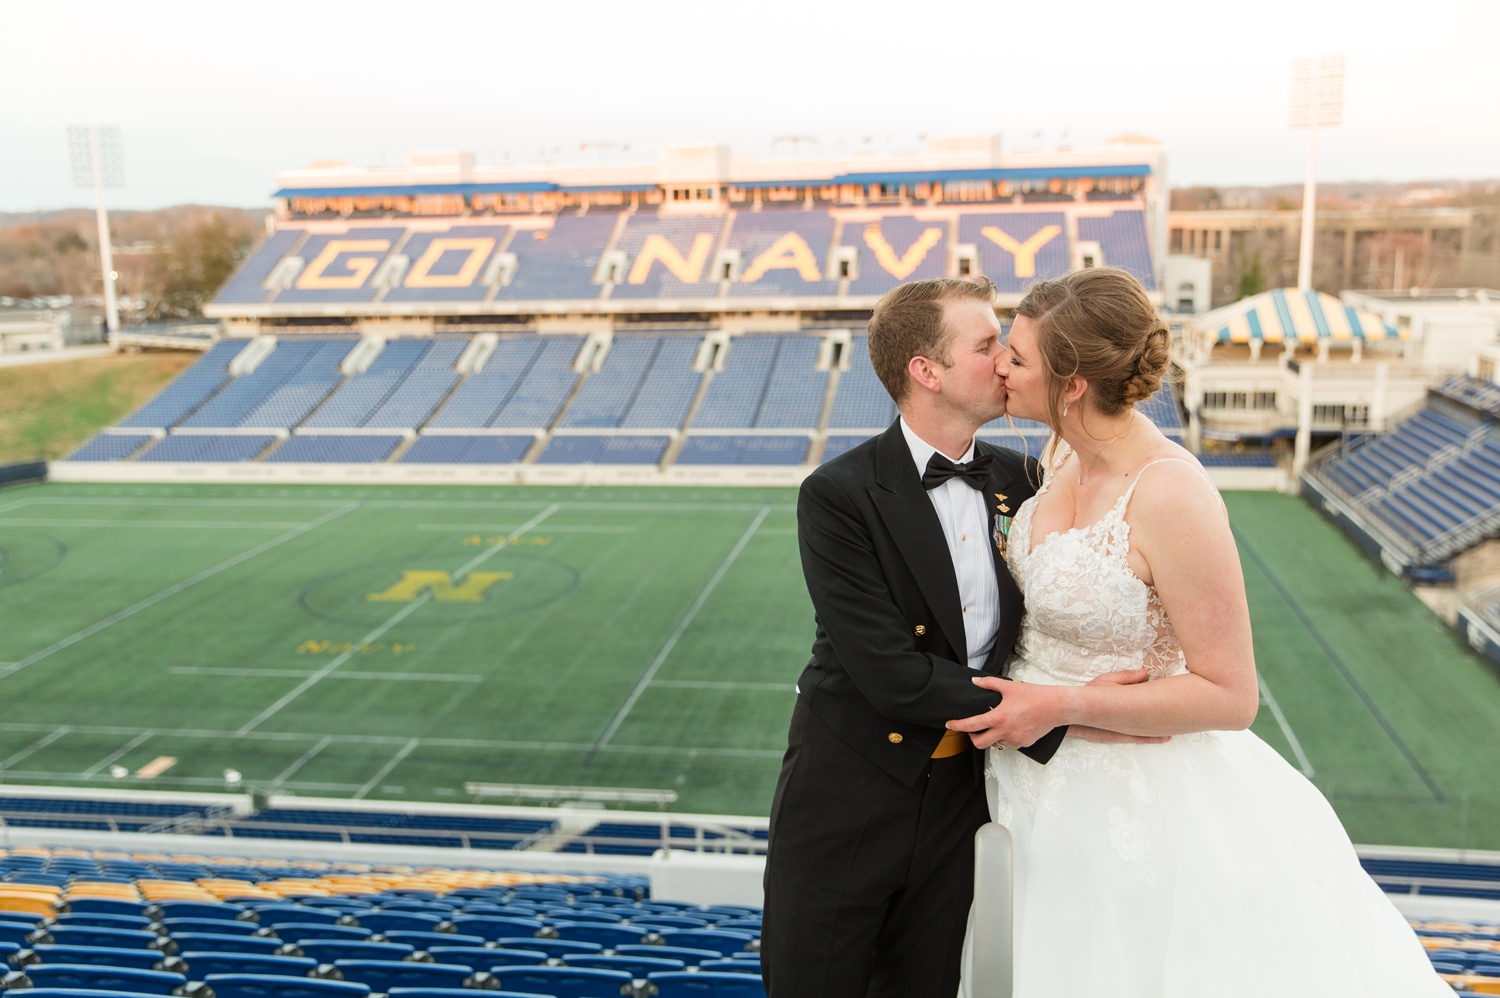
1017,248
358,397
465,449
1122,236
668,257
450,265
110,447
895,249
335,448
260,391
190,389
558,262
783,253
208,447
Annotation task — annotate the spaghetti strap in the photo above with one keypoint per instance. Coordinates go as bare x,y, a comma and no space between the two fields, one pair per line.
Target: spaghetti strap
1125,500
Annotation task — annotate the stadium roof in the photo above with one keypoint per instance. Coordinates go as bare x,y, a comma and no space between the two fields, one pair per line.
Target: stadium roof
416,190
1009,173
1308,316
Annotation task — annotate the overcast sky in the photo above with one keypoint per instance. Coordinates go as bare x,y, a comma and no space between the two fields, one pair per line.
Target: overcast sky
213,98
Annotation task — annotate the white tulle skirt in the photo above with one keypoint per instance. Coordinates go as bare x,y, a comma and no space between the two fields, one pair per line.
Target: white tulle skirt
1203,866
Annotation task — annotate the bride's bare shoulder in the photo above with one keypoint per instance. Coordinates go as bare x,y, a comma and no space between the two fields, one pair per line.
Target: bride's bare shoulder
1174,498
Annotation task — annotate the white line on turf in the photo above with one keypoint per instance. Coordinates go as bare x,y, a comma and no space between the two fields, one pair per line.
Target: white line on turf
173,590
395,619
156,524
306,757
1286,729
682,626
36,746
16,505
385,770
498,527
693,684
407,677
107,760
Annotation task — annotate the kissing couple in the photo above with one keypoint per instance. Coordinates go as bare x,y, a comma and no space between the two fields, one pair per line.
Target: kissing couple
1061,647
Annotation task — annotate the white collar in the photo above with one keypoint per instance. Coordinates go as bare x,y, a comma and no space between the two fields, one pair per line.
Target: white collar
922,451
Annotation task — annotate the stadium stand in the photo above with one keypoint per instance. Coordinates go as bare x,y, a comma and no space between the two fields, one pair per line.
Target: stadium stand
895,249
1122,237
1430,486
339,266
208,447
455,449
783,253
257,391
451,265
362,394
484,393
190,390
247,286
667,257
335,448
559,262
1016,248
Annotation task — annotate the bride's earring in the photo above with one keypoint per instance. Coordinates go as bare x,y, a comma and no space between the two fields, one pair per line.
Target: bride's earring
1065,408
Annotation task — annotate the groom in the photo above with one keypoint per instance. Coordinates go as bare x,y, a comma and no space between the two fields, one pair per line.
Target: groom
870,865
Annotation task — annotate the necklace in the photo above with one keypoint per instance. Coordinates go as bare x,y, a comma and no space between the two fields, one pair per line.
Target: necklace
1097,456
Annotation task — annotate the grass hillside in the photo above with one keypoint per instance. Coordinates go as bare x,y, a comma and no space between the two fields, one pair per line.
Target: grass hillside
47,410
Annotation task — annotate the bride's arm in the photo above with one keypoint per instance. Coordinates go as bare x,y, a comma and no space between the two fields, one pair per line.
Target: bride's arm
1182,537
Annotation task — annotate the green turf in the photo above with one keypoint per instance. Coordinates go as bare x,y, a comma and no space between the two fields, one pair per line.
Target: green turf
523,683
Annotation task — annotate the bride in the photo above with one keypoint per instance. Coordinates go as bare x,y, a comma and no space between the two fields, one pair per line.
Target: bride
1165,851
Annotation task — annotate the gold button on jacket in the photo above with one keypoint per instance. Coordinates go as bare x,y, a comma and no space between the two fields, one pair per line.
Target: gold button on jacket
920,630
894,738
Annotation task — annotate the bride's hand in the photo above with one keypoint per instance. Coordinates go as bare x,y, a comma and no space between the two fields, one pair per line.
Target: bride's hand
1026,713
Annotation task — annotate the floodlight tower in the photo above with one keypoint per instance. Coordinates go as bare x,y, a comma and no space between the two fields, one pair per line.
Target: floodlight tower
1317,101
99,163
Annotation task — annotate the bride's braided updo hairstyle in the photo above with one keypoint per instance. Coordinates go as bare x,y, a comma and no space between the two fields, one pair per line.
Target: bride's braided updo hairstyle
1097,324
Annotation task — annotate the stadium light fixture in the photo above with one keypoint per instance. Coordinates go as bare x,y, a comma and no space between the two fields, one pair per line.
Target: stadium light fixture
1317,101
98,162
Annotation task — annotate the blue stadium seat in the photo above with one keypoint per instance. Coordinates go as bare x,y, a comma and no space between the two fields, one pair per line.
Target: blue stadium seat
1123,238
228,448
90,935
732,966
559,262
382,975
635,966
687,954
320,930
100,956
17,932
737,450
563,982
201,963
221,942
552,947
333,950
708,984
384,921
456,993
427,940
584,913
725,941
268,986
76,975
486,449
81,993
233,927
187,392
495,926
335,448
107,906
483,957
572,449
608,936
103,920
266,914
110,447
677,921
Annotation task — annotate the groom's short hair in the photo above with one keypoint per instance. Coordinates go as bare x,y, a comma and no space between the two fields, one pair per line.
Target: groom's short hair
908,322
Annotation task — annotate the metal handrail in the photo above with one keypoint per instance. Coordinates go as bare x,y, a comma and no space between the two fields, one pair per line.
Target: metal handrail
730,840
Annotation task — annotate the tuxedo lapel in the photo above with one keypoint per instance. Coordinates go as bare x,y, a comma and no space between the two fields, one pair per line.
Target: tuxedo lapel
1001,493
908,514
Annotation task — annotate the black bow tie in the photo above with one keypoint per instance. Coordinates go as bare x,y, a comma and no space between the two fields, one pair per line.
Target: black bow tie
939,469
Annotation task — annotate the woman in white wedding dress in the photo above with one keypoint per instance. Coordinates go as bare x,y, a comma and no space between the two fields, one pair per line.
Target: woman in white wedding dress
1189,861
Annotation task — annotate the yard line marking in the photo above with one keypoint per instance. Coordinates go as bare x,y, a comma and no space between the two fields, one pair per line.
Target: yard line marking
408,677
1343,669
692,684
682,627
385,770
1286,729
133,743
306,758
173,590
35,747
17,504
157,524
395,619
498,527
467,743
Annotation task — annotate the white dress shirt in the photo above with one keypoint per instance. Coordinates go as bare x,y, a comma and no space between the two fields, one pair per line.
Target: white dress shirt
964,515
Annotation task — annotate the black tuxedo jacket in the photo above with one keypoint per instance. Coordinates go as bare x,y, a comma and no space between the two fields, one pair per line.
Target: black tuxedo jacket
888,664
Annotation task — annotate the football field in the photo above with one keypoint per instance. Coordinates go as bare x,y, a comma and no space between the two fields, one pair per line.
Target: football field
398,643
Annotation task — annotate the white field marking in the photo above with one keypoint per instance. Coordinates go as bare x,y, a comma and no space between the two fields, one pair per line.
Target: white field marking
156,524
133,743
1286,729
306,758
173,590
16,505
395,619
174,781
385,770
779,532
470,743
693,684
682,626
35,746
409,677
498,527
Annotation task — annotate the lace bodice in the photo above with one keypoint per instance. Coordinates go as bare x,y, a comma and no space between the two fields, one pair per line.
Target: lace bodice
1087,612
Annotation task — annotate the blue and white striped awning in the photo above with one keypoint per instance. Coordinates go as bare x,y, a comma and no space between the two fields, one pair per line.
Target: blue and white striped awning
1307,316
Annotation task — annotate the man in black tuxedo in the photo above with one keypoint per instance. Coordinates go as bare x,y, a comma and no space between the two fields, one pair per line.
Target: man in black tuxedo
869,870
